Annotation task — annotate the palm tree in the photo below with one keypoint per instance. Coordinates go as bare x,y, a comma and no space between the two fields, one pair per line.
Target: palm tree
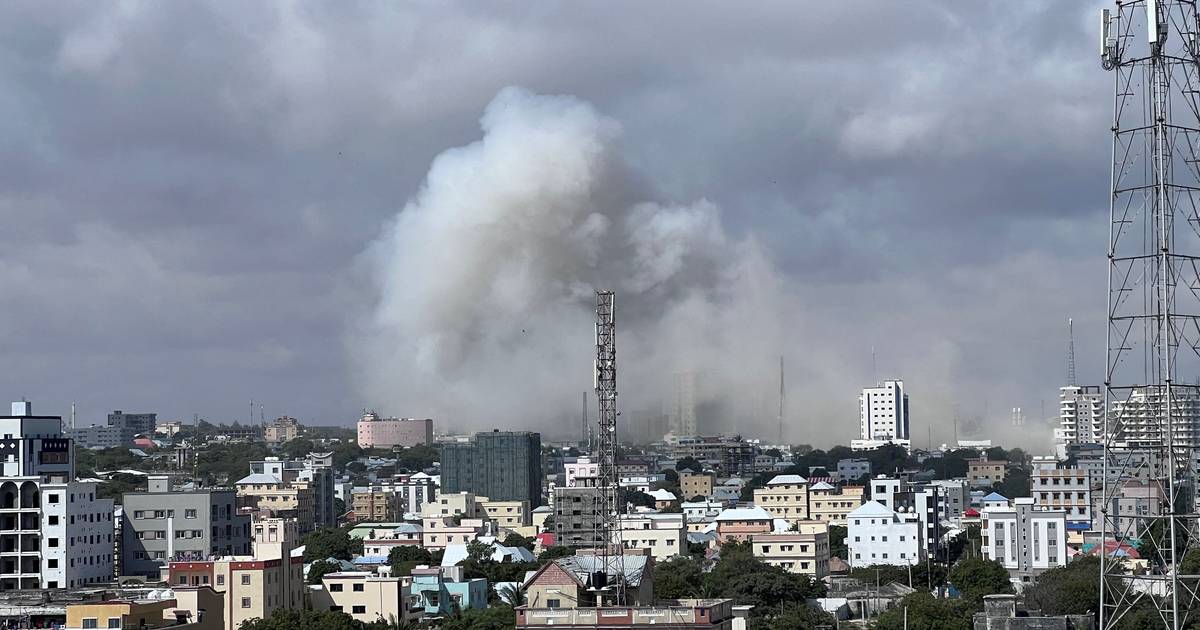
512,594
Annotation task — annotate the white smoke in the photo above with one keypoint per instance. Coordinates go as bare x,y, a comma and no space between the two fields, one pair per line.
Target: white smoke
486,281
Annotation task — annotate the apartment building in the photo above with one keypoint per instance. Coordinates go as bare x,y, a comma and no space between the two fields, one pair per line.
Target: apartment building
785,496
367,597
282,429
1080,416
502,465
380,542
831,505
168,523
984,472
388,433
437,591
439,531
377,503
883,412
303,490
662,536
692,485
852,469
414,492
742,524
54,532
254,586
1058,487
120,430
582,467
878,535
576,514
730,454
1026,540
506,514
805,551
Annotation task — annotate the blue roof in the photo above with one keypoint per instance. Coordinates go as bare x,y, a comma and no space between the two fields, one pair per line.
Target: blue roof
1079,526
370,560
995,496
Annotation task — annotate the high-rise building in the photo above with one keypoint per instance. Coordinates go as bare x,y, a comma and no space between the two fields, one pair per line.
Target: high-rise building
166,524
1140,418
501,465
54,532
883,412
1080,416
683,403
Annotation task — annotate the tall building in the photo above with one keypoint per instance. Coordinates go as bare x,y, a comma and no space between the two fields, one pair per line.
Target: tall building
1025,539
683,403
1140,418
166,524
883,412
300,489
501,465
54,532
1080,416
376,432
121,429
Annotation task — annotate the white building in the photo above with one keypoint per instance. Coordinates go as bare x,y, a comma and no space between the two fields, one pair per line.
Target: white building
877,535
1140,418
663,536
1027,541
1080,417
883,412
582,468
414,492
54,532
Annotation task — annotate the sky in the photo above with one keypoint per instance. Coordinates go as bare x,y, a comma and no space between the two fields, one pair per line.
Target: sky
326,207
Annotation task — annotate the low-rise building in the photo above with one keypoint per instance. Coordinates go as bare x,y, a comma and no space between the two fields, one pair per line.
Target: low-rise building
1058,487
507,514
571,582
367,597
692,485
439,531
576,513
192,609
984,472
281,430
785,496
805,551
877,535
831,505
852,469
742,524
386,433
695,614
380,542
377,503
437,591
661,536
1026,540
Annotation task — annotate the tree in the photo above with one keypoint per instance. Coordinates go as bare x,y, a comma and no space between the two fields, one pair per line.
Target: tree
290,619
637,498
1069,590
1016,483
926,612
516,540
331,543
671,476
800,616
405,558
837,541
976,577
689,463
320,568
549,554
495,617
298,448
512,593
678,578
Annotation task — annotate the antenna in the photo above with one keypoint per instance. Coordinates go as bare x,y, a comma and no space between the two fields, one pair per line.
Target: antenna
1071,352
782,397
874,379
585,436
608,533
72,416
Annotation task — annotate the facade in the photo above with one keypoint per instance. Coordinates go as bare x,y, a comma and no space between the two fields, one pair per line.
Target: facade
414,492
785,496
506,514
877,535
729,454
121,429
366,597
692,485
388,433
831,505
1080,415
984,472
742,524
805,551
166,524
437,591
437,532
254,586
1057,487
375,504
54,532
582,467
852,469
883,412
1139,417
1027,541
685,396
661,536
570,582
699,614
302,489
282,429
142,614
501,465
576,514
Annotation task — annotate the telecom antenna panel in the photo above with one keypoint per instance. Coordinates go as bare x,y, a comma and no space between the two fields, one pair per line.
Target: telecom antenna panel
609,504
1151,412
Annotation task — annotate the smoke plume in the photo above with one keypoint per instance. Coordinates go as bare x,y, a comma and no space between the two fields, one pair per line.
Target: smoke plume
486,283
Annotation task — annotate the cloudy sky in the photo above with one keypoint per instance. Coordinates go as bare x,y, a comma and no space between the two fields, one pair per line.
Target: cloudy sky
195,198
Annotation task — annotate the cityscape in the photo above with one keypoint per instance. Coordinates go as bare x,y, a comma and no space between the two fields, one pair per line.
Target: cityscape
549,317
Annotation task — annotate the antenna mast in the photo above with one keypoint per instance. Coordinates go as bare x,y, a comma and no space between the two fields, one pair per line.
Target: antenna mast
781,399
1071,352
1150,412
585,436
609,504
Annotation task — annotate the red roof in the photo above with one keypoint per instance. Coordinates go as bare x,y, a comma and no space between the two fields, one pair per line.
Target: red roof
971,512
547,539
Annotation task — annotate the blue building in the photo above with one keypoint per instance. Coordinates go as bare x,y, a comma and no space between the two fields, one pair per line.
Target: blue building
438,591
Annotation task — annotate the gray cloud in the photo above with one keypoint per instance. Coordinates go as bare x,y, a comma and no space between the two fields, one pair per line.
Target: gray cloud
186,189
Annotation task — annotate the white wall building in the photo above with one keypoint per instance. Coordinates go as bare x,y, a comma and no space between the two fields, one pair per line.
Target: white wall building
877,535
581,468
1027,541
883,412
1080,417
664,536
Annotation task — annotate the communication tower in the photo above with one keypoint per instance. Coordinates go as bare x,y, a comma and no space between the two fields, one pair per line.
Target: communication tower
1153,314
612,561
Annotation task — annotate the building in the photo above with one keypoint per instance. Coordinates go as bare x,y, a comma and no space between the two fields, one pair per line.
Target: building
697,614
366,597
831,505
576,515
54,532
692,485
1131,509
501,465
144,614
1000,612
1027,541
282,429
1080,416
254,586
729,454
380,541
742,524
414,492
661,536
119,431
877,535
805,551
582,467
438,591
572,582
388,433
785,496
166,524
883,412
684,401
1057,487
507,514
852,469
462,504
438,531
984,472
302,489
1140,418
376,503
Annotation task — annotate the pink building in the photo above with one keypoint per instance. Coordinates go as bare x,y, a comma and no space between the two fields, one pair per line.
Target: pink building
376,432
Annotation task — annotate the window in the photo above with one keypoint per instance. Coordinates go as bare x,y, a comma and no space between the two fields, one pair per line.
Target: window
220,580
550,603
114,622
53,498
90,622
358,588
335,588
359,610
245,602
245,578
189,514
54,543
53,520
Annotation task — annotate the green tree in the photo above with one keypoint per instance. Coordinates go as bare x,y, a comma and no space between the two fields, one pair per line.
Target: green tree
494,617
320,569
287,619
1069,590
550,554
331,543
678,578
688,463
976,577
405,558
926,612
799,616
516,540
297,448
637,498
837,541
